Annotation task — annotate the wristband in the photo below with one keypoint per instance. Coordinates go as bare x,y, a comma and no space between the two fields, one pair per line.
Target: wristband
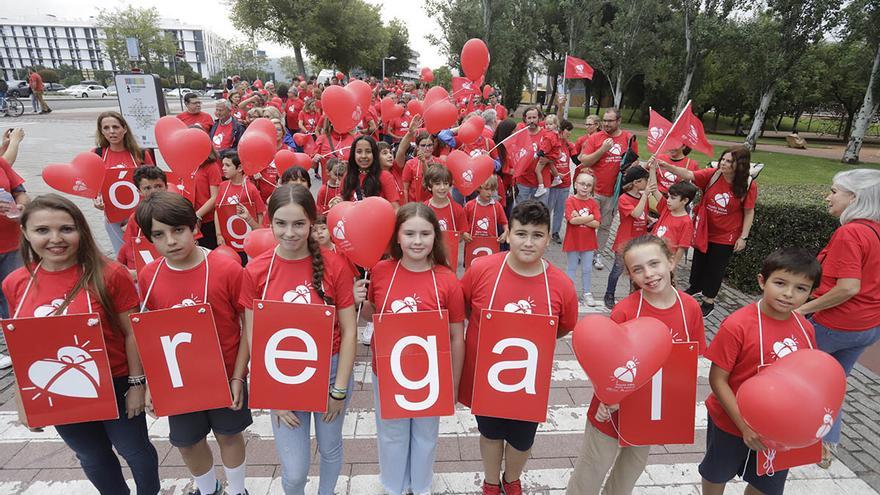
137,380
337,395
237,379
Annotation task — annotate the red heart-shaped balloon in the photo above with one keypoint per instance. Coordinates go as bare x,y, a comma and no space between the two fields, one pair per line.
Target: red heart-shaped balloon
470,130
364,231
390,110
183,148
469,172
501,111
341,107
82,177
300,138
427,74
226,250
474,58
440,115
259,241
415,107
488,91
620,358
435,94
285,159
793,402
362,92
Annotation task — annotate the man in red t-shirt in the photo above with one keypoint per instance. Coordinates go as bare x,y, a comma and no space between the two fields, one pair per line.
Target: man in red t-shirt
226,131
602,154
526,179
35,81
193,114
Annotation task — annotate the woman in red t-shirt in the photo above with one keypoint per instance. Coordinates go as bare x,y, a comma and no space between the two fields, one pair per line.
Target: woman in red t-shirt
414,168
65,273
365,177
846,310
728,209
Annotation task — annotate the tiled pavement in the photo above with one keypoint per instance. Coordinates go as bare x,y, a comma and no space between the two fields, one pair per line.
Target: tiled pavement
41,464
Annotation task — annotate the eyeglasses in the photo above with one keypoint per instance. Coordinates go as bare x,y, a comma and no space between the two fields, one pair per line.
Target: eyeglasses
424,146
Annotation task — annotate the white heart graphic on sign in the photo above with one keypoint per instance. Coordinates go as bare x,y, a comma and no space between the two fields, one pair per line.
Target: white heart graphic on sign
73,374
522,306
339,230
722,199
406,305
467,175
48,309
827,423
784,348
661,230
626,373
483,223
302,294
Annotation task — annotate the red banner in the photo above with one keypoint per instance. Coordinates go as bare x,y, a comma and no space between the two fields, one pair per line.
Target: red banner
291,349
182,359
513,367
61,368
662,412
576,68
786,459
414,364
520,151
658,127
452,239
233,228
120,195
688,129
144,253
480,246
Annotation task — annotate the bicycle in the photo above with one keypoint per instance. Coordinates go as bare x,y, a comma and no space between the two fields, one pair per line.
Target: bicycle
13,107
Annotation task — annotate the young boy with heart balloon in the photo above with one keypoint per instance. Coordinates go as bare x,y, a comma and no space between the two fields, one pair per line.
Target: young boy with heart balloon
187,275
65,273
299,271
417,278
518,281
754,336
649,265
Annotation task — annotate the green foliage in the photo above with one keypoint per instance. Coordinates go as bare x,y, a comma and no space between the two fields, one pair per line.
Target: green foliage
165,82
443,77
133,22
784,216
242,59
196,84
49,75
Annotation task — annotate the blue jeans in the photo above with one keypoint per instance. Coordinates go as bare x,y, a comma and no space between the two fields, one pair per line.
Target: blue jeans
407,448
114,231
614,276
94,441
845,347
585,258
294,451
524,193
556,202
9,262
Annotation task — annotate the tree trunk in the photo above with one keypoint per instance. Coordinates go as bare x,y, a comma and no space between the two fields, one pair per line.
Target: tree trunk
866,113
689,63
551,80
715,121
618,89
797,118
300,63
758,120
778,122
847,129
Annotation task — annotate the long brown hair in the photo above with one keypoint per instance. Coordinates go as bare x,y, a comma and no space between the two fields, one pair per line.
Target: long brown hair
88,255
742,163
413,209
128,140
286,194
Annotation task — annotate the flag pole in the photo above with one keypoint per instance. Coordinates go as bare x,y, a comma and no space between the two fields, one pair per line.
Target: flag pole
508,137
567,96
660,148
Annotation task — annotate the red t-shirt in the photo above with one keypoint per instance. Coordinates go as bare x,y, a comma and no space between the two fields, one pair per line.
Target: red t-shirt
580,238
677,231
516,294
125,256
526,176
244,193
608,166
563,166
223,136
687,329
485,220
580,142
736,349
50,288
10,232
386,182
415,175
629,227
207,175
852,252
267,182
309,120
451,217
665,178
325,194
399,126
176,288
292,108
204,120
397,173
550,144
291,281
725,210
35,81
414,291
323,148
480,146
122,159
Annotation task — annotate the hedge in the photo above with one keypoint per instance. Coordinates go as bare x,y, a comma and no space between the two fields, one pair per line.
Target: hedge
784,216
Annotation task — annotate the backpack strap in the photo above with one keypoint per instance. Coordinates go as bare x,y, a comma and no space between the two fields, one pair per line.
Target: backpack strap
99,151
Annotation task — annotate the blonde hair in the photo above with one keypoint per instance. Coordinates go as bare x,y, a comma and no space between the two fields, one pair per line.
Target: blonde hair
490,183
551,119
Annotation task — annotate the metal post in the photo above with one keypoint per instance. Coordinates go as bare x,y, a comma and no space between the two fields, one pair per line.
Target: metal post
177,81
383,70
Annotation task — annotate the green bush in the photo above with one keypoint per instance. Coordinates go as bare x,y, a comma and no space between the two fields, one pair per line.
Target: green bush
196,84
785,216
49,76
165,83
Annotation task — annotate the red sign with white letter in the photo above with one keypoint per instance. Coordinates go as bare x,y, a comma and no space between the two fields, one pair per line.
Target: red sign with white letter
292,345
144,253
182,359
61,369
479,246
787,459
414,364
233,228
513,367
452,239
120,195
662,412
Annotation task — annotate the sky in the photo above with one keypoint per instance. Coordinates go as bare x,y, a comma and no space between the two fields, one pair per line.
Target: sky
212,14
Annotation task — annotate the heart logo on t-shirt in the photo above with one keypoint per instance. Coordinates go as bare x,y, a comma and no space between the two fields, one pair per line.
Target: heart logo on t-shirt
302,294
616,149
218,138
483,223
48,309
721,199
669,176
661,230
627,372
73,373
442,223
190,301
785,347
339,230
467,175
583,212
408,304
233,200
523,306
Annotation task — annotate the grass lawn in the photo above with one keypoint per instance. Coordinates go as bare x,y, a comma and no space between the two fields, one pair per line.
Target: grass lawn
780,168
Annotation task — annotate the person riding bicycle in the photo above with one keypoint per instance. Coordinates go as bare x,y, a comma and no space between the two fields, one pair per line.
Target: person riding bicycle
3,89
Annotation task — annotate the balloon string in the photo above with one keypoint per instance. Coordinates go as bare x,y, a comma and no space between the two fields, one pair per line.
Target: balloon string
508,137
768,463
611,419
333,152
361,305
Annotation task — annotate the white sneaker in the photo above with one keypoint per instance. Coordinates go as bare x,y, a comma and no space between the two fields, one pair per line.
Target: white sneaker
541,191
589,301
556,181
367,334
5,361
597,263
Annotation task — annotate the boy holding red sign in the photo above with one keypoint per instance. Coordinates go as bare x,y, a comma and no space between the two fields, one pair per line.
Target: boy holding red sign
518,282
738,351
147,179
188,275
238,198
486,215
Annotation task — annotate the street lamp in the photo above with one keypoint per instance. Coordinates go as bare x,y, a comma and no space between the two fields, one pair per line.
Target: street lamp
383,65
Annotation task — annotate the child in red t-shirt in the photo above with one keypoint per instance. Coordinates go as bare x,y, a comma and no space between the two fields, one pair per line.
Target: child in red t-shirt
485,214
750,338
649,264
675,225
414,169
181,278
582,216
554,141
386,160
331,189
450,214
147,179
238,191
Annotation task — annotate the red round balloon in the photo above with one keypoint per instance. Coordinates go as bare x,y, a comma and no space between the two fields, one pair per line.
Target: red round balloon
341,107
469,172
470,130
264,126
259,241
474,58
300,139
81,177
364,231
340,76
183,148
501,111
227,250
440,115
620,358
427,75
488,91
256,148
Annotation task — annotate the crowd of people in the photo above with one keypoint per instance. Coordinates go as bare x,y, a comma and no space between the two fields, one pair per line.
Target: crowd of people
563,192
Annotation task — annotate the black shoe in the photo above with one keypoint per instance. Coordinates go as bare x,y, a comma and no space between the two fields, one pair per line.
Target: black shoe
556,238
692,291
217,491
609,301
707,309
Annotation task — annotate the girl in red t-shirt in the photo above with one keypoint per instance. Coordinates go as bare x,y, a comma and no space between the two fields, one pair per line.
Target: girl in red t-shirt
365,177
299,271
65,273
417,278
582,216
413,176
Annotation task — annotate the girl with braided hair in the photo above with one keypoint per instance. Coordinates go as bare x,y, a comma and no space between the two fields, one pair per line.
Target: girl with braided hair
298,270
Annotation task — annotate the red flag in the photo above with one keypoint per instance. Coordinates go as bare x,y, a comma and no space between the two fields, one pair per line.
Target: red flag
576,68
463,87
658,127
519,151
688,130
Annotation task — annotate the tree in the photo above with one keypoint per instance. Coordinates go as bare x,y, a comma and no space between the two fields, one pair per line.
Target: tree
141,24
443,77
49,75
863,17
242,59
346,33
285,22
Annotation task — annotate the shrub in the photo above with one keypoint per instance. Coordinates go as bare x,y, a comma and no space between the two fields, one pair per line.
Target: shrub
196,84
784,216
49,76
164,82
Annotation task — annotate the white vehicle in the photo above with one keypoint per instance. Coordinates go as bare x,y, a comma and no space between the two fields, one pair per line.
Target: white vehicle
179,92
86,91
325,76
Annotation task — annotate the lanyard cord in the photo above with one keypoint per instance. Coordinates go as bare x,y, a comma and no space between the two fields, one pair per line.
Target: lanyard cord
27,289
391,284
546,284
156,275
761,330
680,305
